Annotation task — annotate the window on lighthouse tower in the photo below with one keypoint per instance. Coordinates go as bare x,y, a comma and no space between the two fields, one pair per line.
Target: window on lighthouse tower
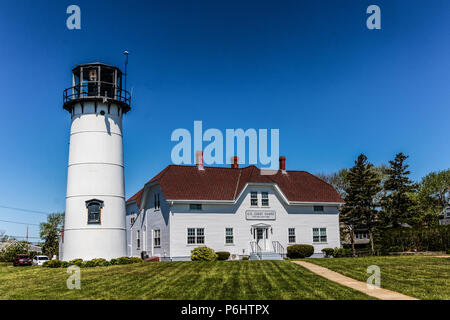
94,210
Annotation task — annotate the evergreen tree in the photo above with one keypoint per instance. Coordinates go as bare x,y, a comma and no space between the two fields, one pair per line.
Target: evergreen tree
359,210
398,203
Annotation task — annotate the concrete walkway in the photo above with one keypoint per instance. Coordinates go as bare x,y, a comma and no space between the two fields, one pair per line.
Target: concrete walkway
378,293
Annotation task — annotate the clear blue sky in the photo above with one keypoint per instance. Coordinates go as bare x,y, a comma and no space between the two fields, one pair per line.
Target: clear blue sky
310,68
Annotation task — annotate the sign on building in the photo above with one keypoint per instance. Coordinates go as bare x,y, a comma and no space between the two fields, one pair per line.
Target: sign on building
260,214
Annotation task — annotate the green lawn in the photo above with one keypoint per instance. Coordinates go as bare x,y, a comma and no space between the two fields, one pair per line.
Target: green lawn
417,276
175,280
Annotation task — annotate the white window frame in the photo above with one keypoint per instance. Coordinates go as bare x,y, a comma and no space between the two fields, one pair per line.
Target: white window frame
264,197
157,238
291,235
229,236
321,240
138,239
197,234
253,196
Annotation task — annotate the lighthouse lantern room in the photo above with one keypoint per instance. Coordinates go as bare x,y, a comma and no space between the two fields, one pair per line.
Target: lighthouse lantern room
95,200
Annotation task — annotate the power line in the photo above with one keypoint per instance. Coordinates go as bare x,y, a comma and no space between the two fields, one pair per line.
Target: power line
25,210
21,237
28,224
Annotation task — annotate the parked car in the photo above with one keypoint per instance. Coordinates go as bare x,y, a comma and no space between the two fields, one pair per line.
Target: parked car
39,260
22,260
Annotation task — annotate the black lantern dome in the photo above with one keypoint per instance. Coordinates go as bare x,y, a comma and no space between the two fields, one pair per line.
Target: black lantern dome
97,82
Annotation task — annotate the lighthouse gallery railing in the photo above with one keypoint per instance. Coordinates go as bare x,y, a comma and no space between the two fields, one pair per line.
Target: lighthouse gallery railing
96,89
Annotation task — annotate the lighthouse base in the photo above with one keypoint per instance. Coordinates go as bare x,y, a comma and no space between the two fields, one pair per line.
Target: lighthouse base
92,243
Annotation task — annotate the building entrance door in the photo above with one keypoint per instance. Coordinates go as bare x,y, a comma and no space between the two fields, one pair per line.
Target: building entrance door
261,237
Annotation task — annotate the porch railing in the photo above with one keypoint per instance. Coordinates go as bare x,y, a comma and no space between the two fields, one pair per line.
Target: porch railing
256,249
278,248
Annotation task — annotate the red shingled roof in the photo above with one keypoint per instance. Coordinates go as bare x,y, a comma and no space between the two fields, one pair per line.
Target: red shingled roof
221,183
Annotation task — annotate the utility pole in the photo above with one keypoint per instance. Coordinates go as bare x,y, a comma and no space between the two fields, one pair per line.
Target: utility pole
28,247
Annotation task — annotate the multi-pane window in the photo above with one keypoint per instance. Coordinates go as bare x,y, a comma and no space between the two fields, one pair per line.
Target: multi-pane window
361,235
138,239
94,208
291,235
229,236
254,198
195,235
318,208
265,199
195,206
319,234
156,238
191,235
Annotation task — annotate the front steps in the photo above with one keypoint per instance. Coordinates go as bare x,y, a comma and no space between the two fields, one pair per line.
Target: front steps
266,256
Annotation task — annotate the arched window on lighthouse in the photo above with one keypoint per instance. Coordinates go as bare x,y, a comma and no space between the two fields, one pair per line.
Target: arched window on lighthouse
94,211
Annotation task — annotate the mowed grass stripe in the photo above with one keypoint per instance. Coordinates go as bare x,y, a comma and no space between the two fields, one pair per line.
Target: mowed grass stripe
175,280
417,276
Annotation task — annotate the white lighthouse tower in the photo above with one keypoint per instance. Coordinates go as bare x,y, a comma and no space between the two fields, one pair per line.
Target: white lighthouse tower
95,201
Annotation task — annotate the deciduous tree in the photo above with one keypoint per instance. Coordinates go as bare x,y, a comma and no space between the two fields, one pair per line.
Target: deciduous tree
49,232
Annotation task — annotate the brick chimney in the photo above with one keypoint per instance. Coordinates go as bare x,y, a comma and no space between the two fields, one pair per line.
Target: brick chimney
199,160
234,162
283,164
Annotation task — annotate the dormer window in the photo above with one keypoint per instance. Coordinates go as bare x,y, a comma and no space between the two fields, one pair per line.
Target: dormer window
265,199
254,198
94,210
157,203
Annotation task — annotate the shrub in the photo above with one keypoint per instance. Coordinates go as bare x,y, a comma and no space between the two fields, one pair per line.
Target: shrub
88,264
126,260
113,262
223,255
100,262
53,264
328,252
341,253
300,251
65,264
76,262
203,254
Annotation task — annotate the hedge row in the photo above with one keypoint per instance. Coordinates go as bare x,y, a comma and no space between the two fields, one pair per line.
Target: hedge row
90,263
423,239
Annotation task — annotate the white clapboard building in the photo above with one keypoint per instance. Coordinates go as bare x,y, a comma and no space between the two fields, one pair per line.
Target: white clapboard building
240,210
